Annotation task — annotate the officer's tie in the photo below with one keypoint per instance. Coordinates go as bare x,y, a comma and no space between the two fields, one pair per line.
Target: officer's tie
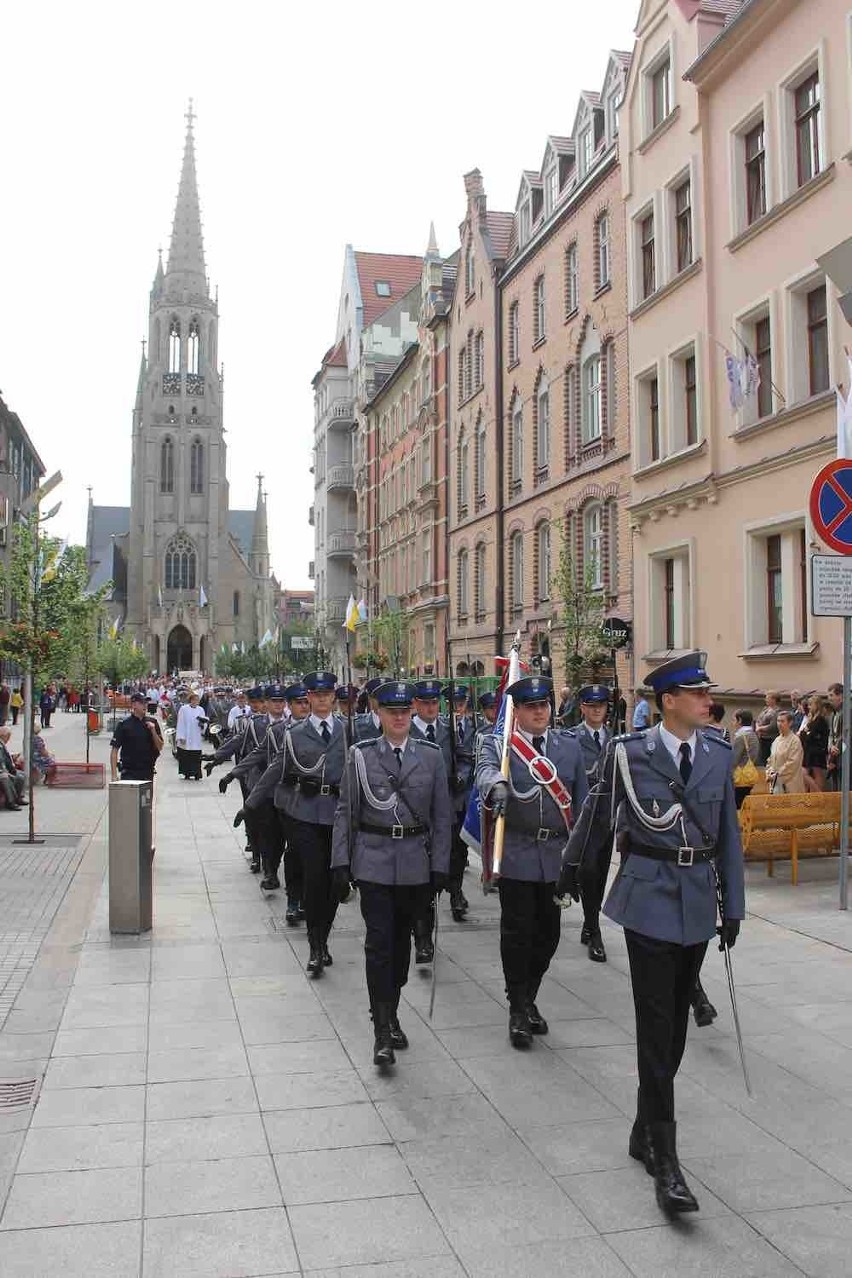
430,732
685,762
326,735
461,732
398,752
538,745
597,739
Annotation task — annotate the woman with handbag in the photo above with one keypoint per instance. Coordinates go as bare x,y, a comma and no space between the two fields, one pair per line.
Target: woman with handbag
745,755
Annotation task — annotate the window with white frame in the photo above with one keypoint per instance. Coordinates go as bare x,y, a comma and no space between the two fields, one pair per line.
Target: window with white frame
426,556
776,584
593,545
650,441
539,318
585,149
684,390
754,168
463,475
462,364
572,435
542,431
613,111
426,462
551,188
602,250
468,366
670,599
479,361
516,546
647,255
806,122
514,333
479,582
755,332
479,464
592,411
682,199
517,472
658,91
572,279
470,272
525,221
463,584
610,388
809,349
545,567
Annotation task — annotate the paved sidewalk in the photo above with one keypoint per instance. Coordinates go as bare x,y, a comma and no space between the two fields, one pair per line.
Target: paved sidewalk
207,1110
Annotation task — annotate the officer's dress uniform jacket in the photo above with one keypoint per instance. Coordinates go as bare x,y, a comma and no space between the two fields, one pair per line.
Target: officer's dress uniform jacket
255,763
420,785
661,898
244,743
527,854
366,727
593,751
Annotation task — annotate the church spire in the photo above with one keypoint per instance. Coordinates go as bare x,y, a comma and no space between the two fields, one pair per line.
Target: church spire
260,536
186,251
140,384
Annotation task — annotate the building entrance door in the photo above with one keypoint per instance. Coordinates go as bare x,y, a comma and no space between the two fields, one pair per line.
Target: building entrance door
179,650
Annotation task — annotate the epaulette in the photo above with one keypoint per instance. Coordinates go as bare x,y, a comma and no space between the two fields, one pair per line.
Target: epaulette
368,741
565,732
716,739
433,745
639,735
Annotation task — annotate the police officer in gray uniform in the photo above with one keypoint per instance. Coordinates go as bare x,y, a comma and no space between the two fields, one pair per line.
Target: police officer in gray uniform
666,794
392,837
249,734
249,769
538,816
368,726
592,734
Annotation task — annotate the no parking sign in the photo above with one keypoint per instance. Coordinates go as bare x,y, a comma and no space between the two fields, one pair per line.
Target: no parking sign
831,505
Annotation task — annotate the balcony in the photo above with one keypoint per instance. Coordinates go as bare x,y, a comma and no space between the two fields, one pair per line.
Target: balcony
340,477
340,414
427,494
335,608
311,516
340,544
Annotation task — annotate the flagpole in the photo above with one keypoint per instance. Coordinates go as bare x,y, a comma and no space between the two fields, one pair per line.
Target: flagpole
508,728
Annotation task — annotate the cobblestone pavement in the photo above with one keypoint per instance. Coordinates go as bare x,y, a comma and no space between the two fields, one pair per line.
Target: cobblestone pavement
207,1110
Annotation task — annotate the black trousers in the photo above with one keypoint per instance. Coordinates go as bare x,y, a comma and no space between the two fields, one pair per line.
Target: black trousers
530,923
313,846
389,913
266,836
293,880
593,879
663,976
458,856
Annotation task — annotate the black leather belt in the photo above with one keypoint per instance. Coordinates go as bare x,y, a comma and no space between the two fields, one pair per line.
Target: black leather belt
314,789
392,831
683,856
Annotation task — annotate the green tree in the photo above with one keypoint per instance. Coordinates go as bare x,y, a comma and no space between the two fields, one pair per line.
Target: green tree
390,638
585,650
119,658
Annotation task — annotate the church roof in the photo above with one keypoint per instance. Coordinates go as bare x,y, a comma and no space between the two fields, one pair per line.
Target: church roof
398,272
241,528
105,523
186,250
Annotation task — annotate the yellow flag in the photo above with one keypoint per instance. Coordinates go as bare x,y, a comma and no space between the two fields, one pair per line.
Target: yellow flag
352,615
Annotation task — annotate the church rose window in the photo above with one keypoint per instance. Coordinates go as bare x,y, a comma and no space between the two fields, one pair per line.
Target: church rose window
180,564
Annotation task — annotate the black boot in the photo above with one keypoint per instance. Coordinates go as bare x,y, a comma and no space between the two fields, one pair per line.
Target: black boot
397,1033
424,950
327,960
673,1194
292,913
254,866
383,1053
702,1009
315,964
459,905
520,1030
639,1145
596,950
538,1025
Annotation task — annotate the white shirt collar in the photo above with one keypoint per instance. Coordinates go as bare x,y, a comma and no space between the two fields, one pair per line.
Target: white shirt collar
528,736
673,744
317,723
423,725
401,745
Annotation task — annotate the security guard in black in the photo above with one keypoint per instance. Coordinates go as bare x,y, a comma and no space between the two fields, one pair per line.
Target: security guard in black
136,744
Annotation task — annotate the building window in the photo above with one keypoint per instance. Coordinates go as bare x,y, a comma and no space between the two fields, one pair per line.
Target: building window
683,224
602,250
774,611
571,432
755,165
426,378
469,272
646,244
193,349
196,467
776,568
818,375
763,355
462,362
592,400
174,346
572,280
383,288
426,556
551,189
525,221
463,476
479,462
468,367
610,388
690,400
544,562
236,604
670,600
661,93
180,564
517,471
167,465
585,150
479,362
479,582
539,329
593,539
542,433
514,333
517,557
807,104
463,585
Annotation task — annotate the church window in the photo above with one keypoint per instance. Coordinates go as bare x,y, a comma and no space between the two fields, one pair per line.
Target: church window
194,411
196,467
167,465
236,603
180,564
174,346
193,349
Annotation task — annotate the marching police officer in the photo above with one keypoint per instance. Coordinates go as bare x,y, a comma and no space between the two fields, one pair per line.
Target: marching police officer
547,781
368,725
250,768
592,734
392,837
461,783
666,795
249,734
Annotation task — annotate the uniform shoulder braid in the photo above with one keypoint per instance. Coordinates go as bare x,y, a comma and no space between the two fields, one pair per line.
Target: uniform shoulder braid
716,739
430,745
640,735
570,733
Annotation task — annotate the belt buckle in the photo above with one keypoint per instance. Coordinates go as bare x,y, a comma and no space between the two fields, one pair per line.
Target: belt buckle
397,831
542,835
325,789
685,856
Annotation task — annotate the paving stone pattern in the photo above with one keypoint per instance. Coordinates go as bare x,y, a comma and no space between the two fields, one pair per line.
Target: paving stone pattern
207,1110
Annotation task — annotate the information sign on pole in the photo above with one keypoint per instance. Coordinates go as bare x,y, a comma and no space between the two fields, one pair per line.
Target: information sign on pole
301,641
831,585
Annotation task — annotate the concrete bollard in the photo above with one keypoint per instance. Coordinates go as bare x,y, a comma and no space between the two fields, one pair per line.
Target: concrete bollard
130,856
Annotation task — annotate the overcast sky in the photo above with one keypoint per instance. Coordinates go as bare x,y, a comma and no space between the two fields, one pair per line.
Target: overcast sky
317,125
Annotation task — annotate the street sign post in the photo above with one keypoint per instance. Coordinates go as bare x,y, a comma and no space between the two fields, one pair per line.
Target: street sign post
301,641
831,589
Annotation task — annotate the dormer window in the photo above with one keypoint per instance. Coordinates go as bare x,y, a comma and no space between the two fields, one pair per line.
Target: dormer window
613,112
585,150
551,189
469,272
525,221
383,288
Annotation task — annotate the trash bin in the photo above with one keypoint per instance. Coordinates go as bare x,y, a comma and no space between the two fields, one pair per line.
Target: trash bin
93,721
130,856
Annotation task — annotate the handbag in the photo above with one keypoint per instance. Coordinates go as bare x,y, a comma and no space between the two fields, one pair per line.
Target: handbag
746,774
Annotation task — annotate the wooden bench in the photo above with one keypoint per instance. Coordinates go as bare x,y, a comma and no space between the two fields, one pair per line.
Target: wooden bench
76,776
789,824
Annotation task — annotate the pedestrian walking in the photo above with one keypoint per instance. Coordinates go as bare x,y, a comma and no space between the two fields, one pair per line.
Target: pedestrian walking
666,797
189,735
392,831
547,782
46,705
16,702
136,744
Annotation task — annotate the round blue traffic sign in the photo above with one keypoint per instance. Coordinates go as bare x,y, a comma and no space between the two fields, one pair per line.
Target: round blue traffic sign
831,505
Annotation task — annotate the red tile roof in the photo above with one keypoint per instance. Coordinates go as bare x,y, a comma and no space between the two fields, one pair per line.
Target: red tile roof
337,357
400,272
499,232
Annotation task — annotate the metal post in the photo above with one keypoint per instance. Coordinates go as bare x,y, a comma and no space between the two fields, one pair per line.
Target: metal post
845,761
